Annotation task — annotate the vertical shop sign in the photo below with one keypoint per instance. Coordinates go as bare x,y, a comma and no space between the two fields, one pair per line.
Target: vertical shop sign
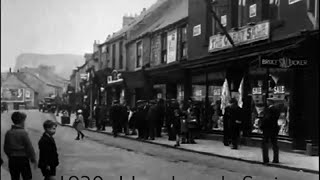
155,50
253,10
172,46
197,30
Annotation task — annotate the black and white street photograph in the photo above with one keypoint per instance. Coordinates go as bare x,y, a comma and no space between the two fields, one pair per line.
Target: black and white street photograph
160,89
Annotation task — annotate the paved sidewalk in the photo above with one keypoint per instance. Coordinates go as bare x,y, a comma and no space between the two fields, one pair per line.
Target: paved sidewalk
288,160
5,174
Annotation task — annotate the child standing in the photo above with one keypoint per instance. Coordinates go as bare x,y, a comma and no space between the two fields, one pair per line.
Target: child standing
18,148
48,158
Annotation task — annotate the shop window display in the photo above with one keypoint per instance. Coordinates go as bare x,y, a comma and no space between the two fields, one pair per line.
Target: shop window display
278,89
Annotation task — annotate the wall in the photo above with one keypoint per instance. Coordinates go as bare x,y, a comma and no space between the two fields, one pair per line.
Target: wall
198,14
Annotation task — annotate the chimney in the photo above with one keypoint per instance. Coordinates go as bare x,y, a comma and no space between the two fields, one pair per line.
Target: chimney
143,10
95,46
126,20
9,70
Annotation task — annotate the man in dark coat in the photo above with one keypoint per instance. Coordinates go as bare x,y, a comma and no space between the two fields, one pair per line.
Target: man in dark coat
140,119
161,115
103,117
86,114
270,129
232,120
170,117
153,117
97,113
124,119
115,117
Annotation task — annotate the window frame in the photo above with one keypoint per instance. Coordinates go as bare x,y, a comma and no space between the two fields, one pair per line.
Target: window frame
183,42
113,56
164,51
138,64
121,66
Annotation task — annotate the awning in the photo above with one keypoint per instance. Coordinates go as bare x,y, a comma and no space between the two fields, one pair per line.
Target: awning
134,79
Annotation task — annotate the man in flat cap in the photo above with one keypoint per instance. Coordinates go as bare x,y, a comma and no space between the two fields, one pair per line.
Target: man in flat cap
270,129
115,115
232,120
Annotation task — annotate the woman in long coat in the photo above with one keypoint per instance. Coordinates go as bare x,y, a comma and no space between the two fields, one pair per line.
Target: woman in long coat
79,124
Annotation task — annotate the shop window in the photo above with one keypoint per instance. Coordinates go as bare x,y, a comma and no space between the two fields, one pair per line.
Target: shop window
113,56
139,55
180,92
163,48
279,88
120,55
183,43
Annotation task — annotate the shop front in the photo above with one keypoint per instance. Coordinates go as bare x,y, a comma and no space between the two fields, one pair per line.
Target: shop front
286,70
115,88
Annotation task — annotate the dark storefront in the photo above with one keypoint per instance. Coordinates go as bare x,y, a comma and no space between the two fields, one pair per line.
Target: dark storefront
290,75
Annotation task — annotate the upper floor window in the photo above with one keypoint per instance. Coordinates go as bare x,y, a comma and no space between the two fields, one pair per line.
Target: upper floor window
104,48
139,55
163,48
183,43
273,13
113,56
120,55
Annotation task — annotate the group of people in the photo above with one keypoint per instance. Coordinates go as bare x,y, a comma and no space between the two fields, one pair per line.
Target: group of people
19,149
182,121
233,118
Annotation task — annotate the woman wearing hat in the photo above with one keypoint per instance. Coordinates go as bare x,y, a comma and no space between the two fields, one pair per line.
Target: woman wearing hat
79,124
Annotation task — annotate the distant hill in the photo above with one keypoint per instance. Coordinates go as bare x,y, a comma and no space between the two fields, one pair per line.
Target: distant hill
62,63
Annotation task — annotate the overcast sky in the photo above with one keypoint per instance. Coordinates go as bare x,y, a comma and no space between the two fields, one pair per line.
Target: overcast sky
59,26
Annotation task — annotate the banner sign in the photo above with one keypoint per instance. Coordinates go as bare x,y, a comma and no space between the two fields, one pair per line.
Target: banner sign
12,95
284,62
172,46
245,35
115,77
84,76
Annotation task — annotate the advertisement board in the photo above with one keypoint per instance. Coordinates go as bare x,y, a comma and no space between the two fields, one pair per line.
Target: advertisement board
244,35
12,94
172,46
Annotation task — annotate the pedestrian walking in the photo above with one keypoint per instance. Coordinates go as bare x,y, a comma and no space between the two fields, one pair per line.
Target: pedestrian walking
170,120
152,119
233,118
192,123
270,130
103,117
161,114
79,125
140,119
184,130
132,120
124,118
115,116
176,122
86,114
97,116
48,155
18,148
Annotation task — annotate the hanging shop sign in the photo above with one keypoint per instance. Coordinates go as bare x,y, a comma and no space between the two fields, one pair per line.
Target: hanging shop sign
284,62
197,30
84,76
245,35
115,77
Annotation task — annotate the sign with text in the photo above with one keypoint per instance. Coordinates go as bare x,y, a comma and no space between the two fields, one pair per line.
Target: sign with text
256,90
197,30
12,94
172,46
115,77
284,62
245,35
279,90
27,95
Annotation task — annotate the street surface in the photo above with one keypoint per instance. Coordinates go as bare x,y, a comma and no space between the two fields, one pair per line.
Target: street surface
110,158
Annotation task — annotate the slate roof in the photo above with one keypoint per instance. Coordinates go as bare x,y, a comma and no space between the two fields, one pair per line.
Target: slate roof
137,20
169,13
47,77
13,84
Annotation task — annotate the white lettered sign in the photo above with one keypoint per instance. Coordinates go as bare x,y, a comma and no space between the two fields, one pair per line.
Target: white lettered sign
172,46
245,35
